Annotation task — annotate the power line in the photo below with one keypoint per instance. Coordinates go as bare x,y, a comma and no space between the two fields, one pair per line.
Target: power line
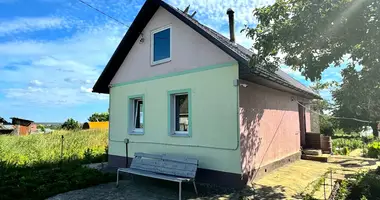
103,13
348,118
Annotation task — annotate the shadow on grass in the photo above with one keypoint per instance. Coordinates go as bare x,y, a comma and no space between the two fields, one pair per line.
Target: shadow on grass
45,179
355,163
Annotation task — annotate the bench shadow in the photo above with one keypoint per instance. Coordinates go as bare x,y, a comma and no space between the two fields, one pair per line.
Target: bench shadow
169,190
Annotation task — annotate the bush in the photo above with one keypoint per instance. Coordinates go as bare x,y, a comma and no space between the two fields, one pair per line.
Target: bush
326,125
344,146
71,124
364,185
374,149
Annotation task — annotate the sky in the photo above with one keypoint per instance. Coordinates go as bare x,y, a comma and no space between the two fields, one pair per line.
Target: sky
53,51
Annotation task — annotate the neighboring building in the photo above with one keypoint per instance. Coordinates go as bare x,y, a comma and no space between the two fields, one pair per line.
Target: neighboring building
179,87
6,128
95,125
23,126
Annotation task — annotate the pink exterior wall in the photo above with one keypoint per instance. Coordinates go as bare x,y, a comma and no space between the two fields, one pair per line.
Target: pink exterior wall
269,126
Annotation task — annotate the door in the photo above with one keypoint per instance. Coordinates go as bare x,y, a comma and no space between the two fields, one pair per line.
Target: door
302,120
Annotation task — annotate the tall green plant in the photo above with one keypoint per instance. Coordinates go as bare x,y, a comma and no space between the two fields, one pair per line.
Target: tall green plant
70,124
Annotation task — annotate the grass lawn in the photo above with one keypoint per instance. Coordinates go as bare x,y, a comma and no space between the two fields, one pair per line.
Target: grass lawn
31,166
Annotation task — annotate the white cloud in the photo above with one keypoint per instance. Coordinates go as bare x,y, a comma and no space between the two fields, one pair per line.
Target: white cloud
60,72
85,90
214,11
28,24
35,82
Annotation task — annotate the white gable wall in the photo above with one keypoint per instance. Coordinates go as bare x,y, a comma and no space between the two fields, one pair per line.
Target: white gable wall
189,50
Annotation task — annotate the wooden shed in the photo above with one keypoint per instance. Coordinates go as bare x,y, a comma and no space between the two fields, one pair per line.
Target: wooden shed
95,125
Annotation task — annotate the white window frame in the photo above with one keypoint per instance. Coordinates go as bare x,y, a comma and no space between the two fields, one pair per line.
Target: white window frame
152,45
172,113
133,114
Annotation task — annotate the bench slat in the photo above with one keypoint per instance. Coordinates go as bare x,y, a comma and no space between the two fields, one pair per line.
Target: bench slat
165,164
147,155
180,159
154,175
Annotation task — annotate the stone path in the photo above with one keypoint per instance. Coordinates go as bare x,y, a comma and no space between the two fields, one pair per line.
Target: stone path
287,182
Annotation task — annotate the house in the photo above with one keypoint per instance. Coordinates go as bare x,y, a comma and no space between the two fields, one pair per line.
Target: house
23,126
179,87
6,128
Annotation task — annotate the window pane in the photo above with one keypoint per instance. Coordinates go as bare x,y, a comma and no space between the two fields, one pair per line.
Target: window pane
138,114
181,112
161,49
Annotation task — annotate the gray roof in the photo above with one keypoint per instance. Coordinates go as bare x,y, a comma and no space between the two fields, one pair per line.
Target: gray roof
239,53
279,76
6,127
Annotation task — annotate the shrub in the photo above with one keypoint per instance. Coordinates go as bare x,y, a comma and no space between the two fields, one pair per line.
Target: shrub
364,185
326,125
71,124
345,146
374,149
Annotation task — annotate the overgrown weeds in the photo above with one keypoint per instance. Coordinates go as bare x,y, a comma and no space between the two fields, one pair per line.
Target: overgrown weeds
31,167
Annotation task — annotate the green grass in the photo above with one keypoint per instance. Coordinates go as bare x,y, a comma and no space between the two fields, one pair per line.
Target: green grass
27,150
31,166
44,180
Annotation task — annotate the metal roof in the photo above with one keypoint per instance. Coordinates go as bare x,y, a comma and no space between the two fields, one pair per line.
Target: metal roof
238,52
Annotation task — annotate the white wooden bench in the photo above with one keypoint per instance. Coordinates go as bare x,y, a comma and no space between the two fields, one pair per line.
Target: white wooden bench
161,166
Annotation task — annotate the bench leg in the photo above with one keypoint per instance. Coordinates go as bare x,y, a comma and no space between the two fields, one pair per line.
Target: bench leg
117,178
180,190
195,187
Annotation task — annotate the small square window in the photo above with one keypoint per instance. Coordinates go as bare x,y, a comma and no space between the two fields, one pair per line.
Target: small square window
161,45
180,114
137,115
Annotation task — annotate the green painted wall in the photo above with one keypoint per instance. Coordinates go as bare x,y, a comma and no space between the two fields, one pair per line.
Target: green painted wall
214,140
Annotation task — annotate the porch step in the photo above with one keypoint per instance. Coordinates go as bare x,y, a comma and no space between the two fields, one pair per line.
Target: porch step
314,152
320,158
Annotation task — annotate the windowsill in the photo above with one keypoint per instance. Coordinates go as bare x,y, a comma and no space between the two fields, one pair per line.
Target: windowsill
180,134
136,132
153,63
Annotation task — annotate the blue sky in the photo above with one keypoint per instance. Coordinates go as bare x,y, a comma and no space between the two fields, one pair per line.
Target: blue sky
52,51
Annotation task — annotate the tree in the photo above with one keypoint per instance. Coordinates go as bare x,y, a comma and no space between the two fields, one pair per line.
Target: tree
41,127
99,117
70,124
358,96
312,35
322,106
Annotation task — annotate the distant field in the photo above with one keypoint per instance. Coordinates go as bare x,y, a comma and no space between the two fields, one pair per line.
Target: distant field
26,150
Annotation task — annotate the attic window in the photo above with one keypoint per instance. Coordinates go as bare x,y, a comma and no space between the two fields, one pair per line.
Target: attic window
161,45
